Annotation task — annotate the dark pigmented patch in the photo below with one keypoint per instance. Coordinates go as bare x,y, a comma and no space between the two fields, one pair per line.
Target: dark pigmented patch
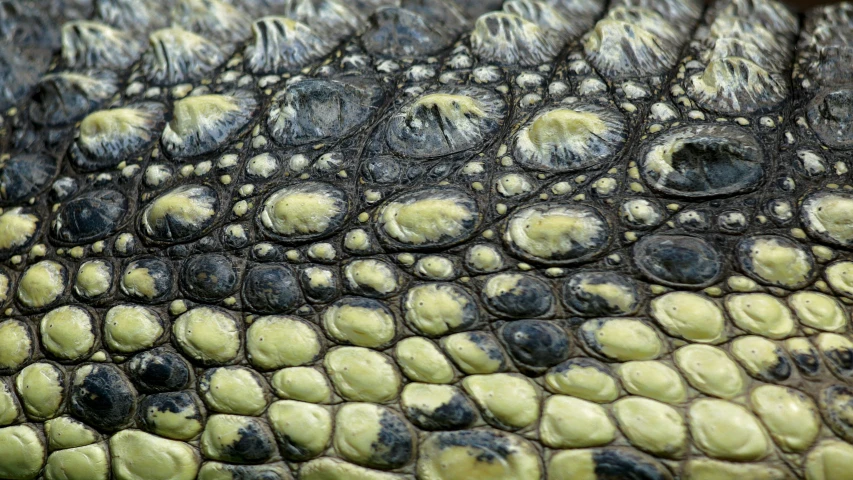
255,444
535,345
158,270
487,446
706,161
840,361
395,445
61,99
320,293
456,414
24,176
102,398
184,403
319,110
584,302
271,289
678,260
836,404
89,217
209,277
159,370
623,464
807,363
830,114
531,297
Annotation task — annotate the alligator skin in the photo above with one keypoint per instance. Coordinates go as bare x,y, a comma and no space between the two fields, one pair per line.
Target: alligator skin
368,240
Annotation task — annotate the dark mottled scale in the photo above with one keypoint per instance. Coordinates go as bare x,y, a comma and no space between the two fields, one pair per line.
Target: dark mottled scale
91,216
147,279
807,362
321,292
159,370
271,289
395,444
487,344
24,176
63,98
709,161
582,295
779,371
209,277
254,443
836,405
414,28
535,345
678,260
613,463
839,358
528,297
185,404
102,396
488,446
317,110
248,472
18,78
456,414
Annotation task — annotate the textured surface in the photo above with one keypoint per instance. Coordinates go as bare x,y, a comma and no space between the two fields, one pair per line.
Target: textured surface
369,240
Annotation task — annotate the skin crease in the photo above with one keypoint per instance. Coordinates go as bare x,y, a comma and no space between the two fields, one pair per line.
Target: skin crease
427,240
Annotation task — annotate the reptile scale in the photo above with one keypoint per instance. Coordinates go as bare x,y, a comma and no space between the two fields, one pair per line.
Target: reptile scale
377,240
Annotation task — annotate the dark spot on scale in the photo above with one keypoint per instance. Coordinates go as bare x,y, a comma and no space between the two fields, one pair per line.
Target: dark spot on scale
102,397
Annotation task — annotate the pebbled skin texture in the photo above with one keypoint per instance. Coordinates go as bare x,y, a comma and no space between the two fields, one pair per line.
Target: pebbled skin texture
419,239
